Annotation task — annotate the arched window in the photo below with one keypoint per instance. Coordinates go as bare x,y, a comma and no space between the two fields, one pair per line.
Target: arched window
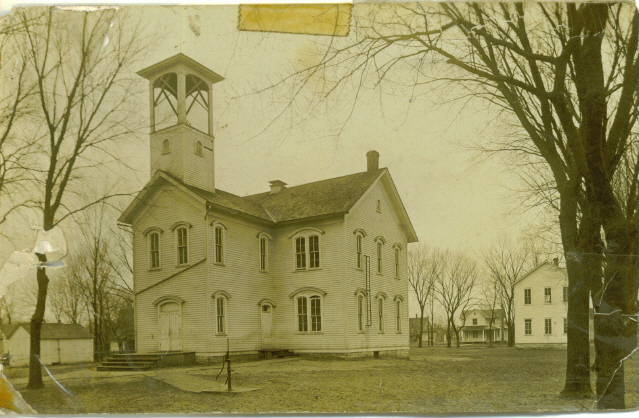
360,313
358,248
220,313
396,263
380,313
379,206
182,245
306,247
308,310
398,315
219,244
263,254
198,148
154,250
166,146
380,247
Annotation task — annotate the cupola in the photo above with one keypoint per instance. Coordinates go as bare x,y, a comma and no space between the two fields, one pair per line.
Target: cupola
181,119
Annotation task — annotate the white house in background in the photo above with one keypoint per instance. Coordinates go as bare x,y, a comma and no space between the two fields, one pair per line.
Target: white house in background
541,306
60,343
314,268
477,326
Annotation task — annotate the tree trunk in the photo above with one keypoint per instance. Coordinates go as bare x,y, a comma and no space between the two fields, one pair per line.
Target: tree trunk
421,326
511,335
449,337
35,371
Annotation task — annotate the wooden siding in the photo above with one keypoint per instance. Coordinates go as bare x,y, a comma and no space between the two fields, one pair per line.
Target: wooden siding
167,207
364,216
182,161
329,278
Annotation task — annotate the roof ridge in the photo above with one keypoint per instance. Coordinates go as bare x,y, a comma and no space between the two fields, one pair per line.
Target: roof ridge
319,181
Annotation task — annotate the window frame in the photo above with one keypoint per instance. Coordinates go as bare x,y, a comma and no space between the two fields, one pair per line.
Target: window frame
178,247
379,206
528,296
565,326
397,262
528,327
475,321
565,294
380,257
218,247
199,149
398,316
380,316
311,249
547,296
547,326
158,250
263,253
223,316
308,314
165,147
361,326
359,251
305,236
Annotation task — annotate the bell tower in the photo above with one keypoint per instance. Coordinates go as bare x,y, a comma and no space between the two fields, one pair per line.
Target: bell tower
181,104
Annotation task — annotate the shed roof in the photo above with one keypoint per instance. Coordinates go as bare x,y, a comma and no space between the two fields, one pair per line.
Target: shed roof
50,331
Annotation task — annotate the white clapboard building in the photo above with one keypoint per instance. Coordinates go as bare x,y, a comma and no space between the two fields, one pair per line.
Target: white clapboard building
313,268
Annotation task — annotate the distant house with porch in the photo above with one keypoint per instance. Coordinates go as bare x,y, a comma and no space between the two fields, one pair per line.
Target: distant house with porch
477,327
60,343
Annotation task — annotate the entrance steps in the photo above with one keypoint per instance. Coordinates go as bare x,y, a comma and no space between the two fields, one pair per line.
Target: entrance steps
146,361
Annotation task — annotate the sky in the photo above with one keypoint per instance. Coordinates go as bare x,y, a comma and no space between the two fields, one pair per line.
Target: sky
423,138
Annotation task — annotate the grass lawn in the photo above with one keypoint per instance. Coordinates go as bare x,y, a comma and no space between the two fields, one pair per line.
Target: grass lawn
466,379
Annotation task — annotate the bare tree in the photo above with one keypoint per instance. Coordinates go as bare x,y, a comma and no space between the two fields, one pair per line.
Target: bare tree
66,299
491,300
83,105
424,267
570,95
454,290
506,264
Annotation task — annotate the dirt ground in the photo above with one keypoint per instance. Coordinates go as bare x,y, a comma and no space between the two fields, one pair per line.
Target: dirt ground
466,379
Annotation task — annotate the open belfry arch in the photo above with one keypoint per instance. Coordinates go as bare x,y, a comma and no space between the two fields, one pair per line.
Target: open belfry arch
181,119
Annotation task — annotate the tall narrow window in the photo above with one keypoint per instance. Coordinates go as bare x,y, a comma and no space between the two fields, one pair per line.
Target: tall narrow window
219,244
565,325
548,326
527,326
300,253
398,318
182,246
379,258
379,206
527,296
302,314
360,313
313,252
397,263
565,294
359,251
221,316
380,312
198,148
547,295
316,314
263,254
154,247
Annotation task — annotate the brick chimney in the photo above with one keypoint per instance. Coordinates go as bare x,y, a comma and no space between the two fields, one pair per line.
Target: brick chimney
277,186
372,160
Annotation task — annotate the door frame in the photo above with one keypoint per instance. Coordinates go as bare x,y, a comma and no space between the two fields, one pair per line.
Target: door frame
261,304
159,304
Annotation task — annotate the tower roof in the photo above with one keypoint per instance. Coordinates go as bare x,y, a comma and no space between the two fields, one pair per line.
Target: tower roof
176,62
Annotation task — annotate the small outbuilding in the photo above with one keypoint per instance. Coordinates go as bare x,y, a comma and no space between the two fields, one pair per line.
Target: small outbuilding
60,343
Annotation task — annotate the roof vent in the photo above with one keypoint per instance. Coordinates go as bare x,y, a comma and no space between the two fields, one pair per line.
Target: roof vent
372,160
277,186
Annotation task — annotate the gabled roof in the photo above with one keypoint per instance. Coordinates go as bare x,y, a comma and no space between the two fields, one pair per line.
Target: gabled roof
545,263
485,312
317,199
49,331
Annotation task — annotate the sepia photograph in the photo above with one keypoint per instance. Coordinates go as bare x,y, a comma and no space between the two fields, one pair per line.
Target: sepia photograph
392,207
